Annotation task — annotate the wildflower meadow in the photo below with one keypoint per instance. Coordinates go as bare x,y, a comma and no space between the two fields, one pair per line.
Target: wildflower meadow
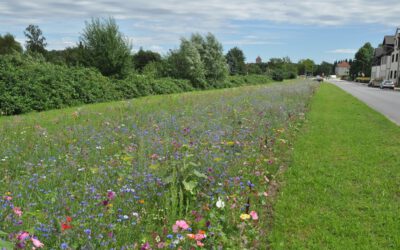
183,171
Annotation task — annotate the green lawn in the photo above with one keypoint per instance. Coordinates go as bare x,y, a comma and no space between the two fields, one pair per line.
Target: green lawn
342,189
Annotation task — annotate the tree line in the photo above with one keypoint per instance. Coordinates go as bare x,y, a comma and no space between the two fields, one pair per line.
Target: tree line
104,55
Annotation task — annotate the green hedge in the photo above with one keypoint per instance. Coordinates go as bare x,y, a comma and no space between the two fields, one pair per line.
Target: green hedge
31,84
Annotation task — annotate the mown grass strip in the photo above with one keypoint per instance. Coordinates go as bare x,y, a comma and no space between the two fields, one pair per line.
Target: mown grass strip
342,190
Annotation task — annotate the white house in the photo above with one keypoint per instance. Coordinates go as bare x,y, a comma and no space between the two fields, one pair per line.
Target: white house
386,64
342,69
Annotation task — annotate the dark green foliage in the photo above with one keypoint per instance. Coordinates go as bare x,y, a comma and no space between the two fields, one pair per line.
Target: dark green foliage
236,81
277,75
69,56
35,42
29,84
144,57
324,69
105,48
254,68
235,58
9,45
362,64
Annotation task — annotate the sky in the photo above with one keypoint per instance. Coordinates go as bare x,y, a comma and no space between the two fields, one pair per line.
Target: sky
323,30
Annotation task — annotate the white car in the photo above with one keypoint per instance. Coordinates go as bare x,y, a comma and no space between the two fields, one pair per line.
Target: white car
387,84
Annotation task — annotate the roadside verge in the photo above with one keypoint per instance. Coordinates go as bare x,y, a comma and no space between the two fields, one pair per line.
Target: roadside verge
342,189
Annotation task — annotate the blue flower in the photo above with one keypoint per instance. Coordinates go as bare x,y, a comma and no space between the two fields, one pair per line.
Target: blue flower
64,245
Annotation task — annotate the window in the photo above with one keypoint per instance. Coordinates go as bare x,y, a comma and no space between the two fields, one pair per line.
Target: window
393,58
391,74
397,57
395,74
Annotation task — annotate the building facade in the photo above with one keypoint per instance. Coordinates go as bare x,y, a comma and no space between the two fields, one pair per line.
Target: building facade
342,69
385,65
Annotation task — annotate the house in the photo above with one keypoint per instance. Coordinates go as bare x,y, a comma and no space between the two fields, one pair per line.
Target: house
385,64
381,63
342,69
258,59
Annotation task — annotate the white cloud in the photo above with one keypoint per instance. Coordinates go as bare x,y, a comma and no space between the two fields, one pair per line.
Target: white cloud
343,51
213,13
165,21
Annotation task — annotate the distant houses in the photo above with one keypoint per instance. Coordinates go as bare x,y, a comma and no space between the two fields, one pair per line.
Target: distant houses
342,69
258,59
385,65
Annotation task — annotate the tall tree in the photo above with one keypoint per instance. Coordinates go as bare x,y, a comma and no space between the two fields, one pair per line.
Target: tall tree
9,45
211,54
186,63
325,69
362,62
235,58
306,67
35,42
106,48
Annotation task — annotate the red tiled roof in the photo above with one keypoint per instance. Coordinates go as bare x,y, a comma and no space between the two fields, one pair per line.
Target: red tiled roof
344,65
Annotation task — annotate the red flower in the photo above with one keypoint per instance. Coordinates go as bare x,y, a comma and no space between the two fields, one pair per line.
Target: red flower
66,225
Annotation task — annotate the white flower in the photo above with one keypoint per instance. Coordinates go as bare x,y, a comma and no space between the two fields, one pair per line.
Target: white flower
220,203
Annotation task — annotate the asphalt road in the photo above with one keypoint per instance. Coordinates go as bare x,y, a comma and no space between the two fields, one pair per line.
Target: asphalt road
384,101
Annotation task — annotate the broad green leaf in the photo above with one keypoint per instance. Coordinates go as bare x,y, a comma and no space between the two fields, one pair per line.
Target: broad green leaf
190,186
200,175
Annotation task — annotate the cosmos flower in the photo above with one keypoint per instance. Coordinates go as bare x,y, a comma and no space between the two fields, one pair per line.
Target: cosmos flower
17,211
37,243
22,236
179,224
254,215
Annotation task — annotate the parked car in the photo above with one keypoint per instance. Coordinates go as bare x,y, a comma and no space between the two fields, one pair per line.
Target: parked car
319,79
387,84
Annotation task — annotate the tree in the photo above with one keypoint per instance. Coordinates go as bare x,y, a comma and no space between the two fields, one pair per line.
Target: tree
306,67
35,42
186,63
324,69
106,48
362,62
142,58
235,58
212,57
9,45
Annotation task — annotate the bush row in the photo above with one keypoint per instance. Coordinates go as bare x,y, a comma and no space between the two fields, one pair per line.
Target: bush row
30,84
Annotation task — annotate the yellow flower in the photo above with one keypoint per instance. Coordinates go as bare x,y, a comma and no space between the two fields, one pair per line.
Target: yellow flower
244,216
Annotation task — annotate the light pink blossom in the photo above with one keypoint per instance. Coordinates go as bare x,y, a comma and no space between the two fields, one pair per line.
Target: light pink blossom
17,211
254,215
37,243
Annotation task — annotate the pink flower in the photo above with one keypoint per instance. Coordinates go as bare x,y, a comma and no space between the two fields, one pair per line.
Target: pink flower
17,211
254,215
22,236
111,195
175,228
8,198
182,224
37,243
199,243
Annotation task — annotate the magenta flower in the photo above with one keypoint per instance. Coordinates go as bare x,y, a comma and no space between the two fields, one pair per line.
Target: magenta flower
111,195
22,236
